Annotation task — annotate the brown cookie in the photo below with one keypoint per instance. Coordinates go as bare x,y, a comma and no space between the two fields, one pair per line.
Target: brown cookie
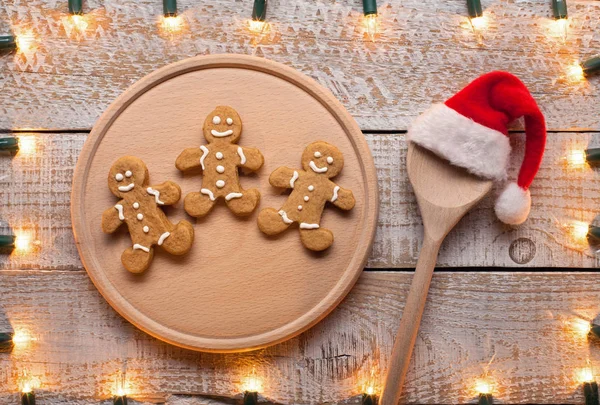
139,208
220,161
311,189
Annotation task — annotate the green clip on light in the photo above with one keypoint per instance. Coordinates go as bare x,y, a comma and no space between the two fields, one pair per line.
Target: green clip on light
28,398
370,13
590,391
591,66
474,8
6,342
170,8
10,145
8,42
559,9
485,399
259,10
369,399
76,7
7,241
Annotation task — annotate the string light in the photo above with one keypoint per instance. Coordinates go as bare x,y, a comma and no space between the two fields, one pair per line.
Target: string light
476,18
22,144
6,342
171,20
251,386
27,384
484,389
370,18
22,338
120,390
26,42
577,72
23,241
559,11
8,42
370,395
257,23
590,386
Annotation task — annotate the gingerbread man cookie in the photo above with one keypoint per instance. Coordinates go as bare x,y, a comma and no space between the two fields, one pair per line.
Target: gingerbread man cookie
220,160
311,190
139,208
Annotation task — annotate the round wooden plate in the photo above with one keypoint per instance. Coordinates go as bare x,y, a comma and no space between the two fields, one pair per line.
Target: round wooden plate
237,289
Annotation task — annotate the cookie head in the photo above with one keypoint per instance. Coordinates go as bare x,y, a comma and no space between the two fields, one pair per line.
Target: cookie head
322,158
223,123
125,174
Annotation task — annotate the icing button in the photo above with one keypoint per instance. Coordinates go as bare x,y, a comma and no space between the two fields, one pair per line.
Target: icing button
306,198
146,229
219,155
136,205
220,183
299,208
220,169
140,217
311,187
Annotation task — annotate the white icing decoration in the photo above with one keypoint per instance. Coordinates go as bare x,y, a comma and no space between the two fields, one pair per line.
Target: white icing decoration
229,121
304,225
299,208
219,155
317,154
144,248
306,198
220,183
329,159
140,217
156,195
335,193
316,169
221,134
208,193
128,173
136,205
119,177
204,153
285,217
220,169
162,238
311,187
293,179
231,196
216,120
242,156
126,188
119,208
146,229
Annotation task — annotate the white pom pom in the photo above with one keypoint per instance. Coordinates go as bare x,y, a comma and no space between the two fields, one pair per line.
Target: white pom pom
513,205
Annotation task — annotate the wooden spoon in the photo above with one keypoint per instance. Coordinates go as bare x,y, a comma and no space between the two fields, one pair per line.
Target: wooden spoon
444,194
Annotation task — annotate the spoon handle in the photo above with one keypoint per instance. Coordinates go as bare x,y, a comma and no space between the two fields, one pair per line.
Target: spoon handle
409,325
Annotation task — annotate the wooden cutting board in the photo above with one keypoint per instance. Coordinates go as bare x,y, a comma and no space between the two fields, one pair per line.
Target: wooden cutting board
237,289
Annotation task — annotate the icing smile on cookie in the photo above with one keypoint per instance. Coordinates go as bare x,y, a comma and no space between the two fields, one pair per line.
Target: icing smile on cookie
218,134
127,188
317,169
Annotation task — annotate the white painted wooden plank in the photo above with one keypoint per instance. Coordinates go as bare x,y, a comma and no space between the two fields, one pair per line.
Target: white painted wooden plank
470,316
425,53
35,191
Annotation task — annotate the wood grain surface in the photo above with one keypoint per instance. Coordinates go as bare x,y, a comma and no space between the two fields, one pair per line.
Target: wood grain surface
470,317
425,53
36,195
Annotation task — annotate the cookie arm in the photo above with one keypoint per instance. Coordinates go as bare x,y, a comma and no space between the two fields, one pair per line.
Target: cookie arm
250,158
166,193
283,177
111,218
189,159
342,198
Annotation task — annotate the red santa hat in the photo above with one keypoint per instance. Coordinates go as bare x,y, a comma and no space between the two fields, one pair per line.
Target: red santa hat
471,130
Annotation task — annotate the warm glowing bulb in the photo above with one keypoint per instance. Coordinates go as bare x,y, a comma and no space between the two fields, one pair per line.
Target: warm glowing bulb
483,387
172,23
26,42
576,158
252,383
258,27
27,145
575,73
79,22
478,23
371,25
370,390
22,241
21,338
561,27
581,326
578,230
27,383
585,375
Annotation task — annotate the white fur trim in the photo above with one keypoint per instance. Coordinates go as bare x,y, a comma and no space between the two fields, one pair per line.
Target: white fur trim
513,205
481,150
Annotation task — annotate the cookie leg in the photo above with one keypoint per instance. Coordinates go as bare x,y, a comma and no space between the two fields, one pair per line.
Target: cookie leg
271,222
244,202
197,204
180,239
137,260
316,239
